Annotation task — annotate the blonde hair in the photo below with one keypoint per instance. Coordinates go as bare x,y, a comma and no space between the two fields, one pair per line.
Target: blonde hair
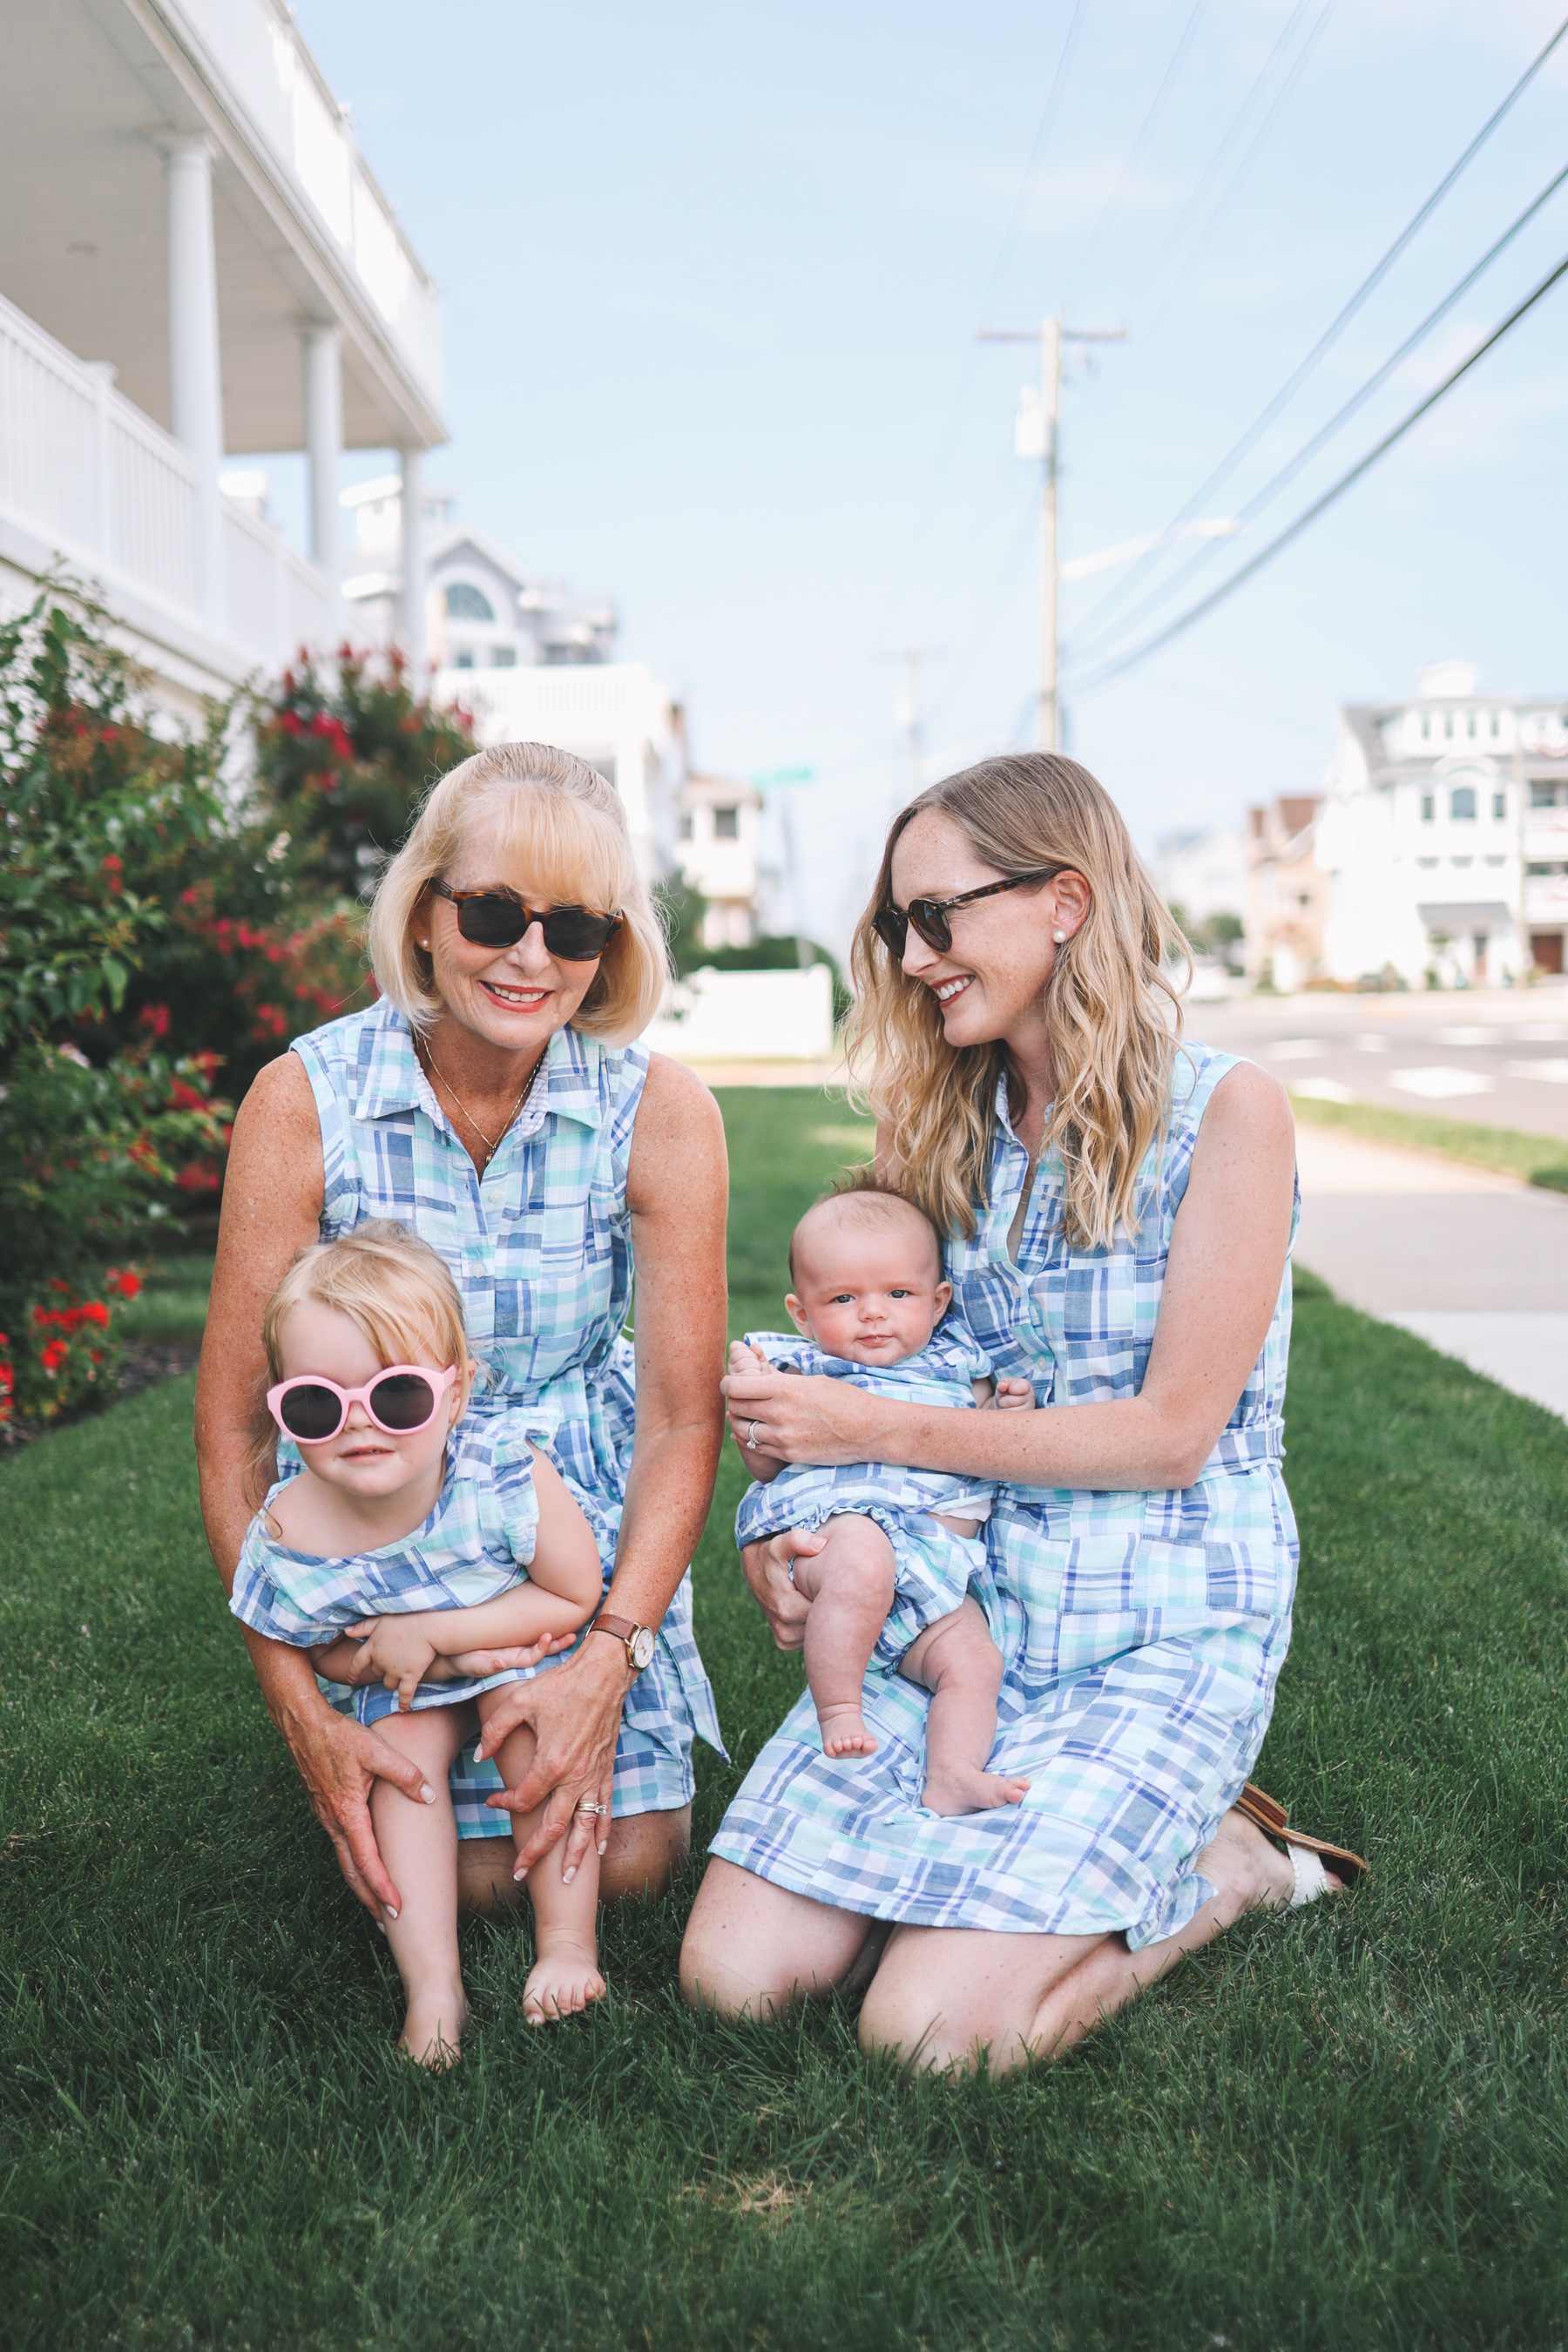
564,826
1112,1013
861,1197
393,1286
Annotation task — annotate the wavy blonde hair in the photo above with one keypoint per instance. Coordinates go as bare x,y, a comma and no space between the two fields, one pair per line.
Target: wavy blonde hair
1112,1012
563,827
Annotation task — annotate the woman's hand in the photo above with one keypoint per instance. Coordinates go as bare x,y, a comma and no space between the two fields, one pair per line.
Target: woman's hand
767,1564
796,1417
339,1760
575,1718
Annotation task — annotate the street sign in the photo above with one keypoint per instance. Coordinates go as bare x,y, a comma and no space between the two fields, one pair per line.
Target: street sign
771,778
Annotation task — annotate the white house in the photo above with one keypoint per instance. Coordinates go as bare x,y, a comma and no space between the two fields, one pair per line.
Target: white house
717,822
1444,833
482,610
195,260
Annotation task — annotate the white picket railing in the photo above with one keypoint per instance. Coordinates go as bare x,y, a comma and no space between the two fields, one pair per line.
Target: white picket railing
101,489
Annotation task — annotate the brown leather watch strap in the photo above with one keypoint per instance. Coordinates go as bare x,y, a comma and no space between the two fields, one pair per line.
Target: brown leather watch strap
621,1627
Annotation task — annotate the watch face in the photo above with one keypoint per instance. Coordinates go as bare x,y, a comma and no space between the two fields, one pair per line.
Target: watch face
641,1647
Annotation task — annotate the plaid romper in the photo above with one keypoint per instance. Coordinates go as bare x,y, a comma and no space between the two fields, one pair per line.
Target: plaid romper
477,1544
932,1566
540,1247
1142,1634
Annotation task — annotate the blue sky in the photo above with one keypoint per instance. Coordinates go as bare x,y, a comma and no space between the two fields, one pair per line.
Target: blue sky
711,277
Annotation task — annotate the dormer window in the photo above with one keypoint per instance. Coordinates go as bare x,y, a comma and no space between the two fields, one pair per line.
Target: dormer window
466,603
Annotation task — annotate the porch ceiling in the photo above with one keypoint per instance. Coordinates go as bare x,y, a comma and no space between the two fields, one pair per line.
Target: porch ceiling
86,92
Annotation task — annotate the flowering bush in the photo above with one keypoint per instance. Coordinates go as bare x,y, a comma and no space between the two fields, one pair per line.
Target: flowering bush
90,1163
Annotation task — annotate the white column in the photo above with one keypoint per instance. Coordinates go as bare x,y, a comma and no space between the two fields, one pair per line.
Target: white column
324,450
411,620
195,382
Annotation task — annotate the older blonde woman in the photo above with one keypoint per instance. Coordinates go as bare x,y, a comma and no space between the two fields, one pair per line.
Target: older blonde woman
1119,1211
494,1102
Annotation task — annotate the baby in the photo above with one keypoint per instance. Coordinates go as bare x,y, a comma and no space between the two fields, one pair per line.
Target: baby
427,1555
891,1581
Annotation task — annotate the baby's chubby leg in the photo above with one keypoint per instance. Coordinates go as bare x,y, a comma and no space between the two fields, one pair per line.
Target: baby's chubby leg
564,1977
849,1584
960,1664
419,1843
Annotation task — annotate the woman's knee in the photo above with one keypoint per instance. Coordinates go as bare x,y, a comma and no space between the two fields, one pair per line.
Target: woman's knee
646,1851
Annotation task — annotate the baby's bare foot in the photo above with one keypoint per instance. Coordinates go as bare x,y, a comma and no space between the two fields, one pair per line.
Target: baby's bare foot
564,1977
433,2025
844,1732
964,1789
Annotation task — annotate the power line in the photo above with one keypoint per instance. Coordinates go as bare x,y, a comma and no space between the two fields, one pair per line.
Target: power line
1320,506
1135,153
1332,332
1341,416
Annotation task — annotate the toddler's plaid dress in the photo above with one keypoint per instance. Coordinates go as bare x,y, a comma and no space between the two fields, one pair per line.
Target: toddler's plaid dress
932,1566
477,1544
540,1247
1142,1634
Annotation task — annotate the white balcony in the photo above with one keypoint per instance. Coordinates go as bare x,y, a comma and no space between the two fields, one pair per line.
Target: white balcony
1546,898
90,484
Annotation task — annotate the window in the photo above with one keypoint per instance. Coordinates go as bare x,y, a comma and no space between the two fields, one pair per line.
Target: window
466,603
1428,808
1462,803
1471,730
503,656
1499,806
1448,726
1497,725
687,830
726,824
1425,728
1542,795
463,658
1425,861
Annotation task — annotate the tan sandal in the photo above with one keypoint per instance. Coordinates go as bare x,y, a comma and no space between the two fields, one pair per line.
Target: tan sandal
1307,1854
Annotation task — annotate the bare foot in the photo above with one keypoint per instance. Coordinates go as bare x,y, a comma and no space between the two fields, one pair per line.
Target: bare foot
564,1977
433,2025
964,1789
1241,1855
844,1732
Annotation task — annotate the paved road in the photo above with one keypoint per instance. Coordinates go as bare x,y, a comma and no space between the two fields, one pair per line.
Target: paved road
1498,1056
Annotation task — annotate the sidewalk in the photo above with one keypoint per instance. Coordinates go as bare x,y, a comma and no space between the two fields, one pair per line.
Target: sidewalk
1473,1263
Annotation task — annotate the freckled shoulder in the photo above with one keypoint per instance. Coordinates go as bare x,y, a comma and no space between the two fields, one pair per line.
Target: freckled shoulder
678,1138
277,1131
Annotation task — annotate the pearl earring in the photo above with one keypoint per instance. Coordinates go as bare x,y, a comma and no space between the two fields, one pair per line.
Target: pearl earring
1061,937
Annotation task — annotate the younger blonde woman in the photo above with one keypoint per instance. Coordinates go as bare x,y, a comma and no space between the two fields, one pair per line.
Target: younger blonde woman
426,1555
1118,1209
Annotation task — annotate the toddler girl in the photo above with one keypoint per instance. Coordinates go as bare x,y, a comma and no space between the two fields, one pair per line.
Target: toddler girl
891,1581
428,1559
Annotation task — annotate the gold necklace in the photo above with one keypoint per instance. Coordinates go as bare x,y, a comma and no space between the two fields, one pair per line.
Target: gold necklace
491,1143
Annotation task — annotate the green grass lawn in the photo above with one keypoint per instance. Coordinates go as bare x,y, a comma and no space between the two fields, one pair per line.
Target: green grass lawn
1349,2127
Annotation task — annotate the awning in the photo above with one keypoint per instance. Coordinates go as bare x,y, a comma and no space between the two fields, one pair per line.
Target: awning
1466,914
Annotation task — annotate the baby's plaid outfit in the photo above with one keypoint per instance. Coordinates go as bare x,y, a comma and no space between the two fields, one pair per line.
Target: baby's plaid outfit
1141,1633
540,1247
932,1566
477,1544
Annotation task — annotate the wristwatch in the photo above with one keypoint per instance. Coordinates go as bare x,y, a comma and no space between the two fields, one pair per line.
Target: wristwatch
637,1640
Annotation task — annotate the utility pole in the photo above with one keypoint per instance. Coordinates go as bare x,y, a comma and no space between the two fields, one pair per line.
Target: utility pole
1036,436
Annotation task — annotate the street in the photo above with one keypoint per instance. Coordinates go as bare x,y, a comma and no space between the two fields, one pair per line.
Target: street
1495,1056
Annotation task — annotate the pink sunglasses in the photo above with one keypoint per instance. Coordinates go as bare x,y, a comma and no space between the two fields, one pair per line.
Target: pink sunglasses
403,1399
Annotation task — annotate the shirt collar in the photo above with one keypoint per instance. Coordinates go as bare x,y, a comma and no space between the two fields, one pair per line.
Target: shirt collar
567,1087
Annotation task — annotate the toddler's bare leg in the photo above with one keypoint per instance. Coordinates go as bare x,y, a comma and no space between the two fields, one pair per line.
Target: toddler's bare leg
850,1585
564,1977
419,1843
960,1664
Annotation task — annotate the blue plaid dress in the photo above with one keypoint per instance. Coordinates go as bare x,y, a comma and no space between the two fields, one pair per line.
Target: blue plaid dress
932,1566
477,1544
1142,1633
540,1247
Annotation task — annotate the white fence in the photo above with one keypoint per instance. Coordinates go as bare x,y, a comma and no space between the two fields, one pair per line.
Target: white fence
96,485
748,1016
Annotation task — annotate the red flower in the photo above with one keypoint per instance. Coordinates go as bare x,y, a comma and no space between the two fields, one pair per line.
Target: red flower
184,1097
53,1356
124,1281
93,1310
154,1018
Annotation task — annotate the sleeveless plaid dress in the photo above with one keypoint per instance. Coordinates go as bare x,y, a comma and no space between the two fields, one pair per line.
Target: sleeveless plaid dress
1143,1634
540,1247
